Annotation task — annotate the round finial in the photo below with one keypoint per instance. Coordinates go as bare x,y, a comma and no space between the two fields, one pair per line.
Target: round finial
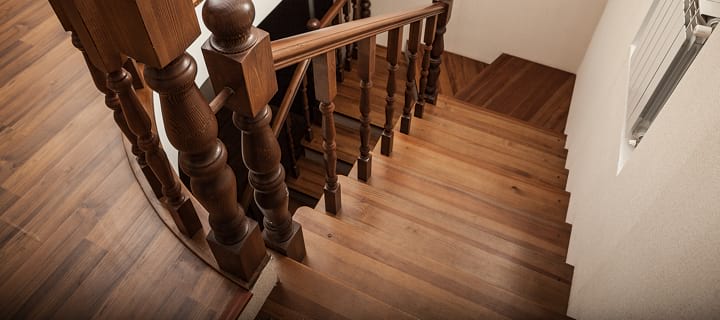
230,21
313,24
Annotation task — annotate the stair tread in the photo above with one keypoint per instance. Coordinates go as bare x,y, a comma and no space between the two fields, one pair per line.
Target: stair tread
489,151
498,124
411,156
304,293
395,268
522,89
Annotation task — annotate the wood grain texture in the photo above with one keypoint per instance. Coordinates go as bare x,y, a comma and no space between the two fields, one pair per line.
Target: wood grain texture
78,238
469,210
525,90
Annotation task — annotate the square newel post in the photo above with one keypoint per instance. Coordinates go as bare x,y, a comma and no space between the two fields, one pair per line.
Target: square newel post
157,32
239,57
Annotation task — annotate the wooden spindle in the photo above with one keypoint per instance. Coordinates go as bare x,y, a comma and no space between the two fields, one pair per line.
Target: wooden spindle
174,199
349,48
366,69
192,128
306,109
325,91
411,90
365,9
428,38
355,16
112,101
340,53
431,90
394,49
239,56
290,159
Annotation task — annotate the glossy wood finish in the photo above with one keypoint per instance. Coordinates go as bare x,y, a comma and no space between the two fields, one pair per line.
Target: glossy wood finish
78,238
174,197
394,49
292,50
524,90
428,37
236,45
325,91
411,89
366,70
459,226
431,90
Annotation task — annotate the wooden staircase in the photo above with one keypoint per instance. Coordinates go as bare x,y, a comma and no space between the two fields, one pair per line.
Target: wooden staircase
466,219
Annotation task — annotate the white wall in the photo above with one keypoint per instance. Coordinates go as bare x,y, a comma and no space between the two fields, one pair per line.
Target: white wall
551,32
645,242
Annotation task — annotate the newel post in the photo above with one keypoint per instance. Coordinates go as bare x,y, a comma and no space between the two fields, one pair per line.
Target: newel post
431,91
239,56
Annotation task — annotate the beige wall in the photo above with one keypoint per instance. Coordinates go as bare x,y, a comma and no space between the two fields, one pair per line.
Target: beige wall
646,241
550,32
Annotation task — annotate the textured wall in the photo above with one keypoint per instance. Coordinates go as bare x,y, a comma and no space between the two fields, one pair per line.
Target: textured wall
645,241
551,32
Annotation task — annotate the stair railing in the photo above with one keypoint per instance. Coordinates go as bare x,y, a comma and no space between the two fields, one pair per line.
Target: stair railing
293,50
241,61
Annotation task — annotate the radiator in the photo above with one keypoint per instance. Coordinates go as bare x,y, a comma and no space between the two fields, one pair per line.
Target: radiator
671,35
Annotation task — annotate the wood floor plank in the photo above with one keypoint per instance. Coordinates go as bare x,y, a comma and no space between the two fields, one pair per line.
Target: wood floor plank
522,89
397,250
75,227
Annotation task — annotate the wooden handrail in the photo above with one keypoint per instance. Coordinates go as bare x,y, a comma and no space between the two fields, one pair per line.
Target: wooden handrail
293,50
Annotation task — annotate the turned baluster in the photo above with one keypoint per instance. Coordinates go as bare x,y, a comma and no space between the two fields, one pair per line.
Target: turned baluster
325,91
306,109
340,52
349,48
394,49
431,90
192,128
365,9
175,200
355,16
411,90
428,39
366,70
239,56
113,103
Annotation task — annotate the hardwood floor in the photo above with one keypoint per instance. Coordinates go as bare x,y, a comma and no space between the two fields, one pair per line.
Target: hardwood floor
78,238
525,90
464,220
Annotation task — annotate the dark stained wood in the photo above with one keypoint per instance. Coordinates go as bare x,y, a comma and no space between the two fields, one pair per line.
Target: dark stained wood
78,238
524,90
176,201
365,8
306,109
366,70
429,37
431,91
192,129
325,91
411,89
236,45
393,56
